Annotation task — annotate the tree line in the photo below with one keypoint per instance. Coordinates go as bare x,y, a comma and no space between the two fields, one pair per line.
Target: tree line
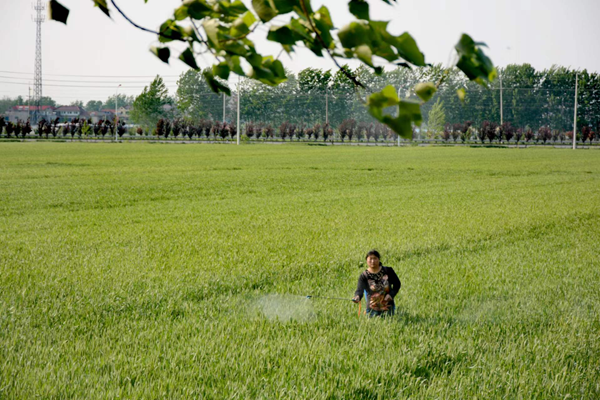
349,130
76,127
110,103
531,98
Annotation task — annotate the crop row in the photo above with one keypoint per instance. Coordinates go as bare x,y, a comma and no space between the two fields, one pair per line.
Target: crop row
348,130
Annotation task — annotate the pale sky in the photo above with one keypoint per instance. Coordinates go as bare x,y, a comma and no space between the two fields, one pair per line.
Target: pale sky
93,50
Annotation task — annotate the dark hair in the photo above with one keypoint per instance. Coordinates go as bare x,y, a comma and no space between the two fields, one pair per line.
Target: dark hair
373,253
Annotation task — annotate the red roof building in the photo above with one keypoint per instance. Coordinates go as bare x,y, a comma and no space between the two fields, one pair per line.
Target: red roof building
31,108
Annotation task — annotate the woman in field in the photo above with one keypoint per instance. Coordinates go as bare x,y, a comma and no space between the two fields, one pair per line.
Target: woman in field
380,285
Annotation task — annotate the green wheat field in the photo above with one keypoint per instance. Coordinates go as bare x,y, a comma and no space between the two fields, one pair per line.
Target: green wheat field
181,271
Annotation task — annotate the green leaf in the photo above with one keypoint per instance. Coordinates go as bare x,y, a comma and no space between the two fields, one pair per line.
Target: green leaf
58,12
364,53
285,6
268,71
324,16
234,65
379,100
234,48
277,67
249,19
359,8
254,59
211,27
234,9
161,52
425,90
408,50
198,9
188,57
242,24
103,6
170,31
281,34
221,70
214,84
401,125
353,34
265,10
411,110
473,62
461,93
262,74
323,23
408,111
381,41
181,13
238,8
300,29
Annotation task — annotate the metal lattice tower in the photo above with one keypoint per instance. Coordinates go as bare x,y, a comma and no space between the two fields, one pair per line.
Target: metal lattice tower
39,18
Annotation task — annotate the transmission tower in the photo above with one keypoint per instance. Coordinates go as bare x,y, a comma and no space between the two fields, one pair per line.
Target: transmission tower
38,18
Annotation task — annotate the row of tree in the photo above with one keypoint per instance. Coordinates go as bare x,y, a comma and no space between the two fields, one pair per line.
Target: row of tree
348,129
529,98
506,132
79,127
110,103
206,128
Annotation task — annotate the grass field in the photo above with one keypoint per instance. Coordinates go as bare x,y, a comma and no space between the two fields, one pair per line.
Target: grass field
178,271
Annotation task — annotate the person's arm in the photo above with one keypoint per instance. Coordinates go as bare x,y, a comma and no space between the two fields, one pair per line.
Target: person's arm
394,282
360,287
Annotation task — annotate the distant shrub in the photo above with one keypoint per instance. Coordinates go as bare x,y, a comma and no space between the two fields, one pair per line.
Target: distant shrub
507,131
160,128
519,135
347,129
487,130
446,132
528,135
544,134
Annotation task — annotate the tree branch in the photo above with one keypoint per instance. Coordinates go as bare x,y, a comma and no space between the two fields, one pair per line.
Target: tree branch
146,29
314,28
239,37
203,41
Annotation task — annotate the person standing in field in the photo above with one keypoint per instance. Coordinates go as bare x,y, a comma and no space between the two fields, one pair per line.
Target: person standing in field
380,285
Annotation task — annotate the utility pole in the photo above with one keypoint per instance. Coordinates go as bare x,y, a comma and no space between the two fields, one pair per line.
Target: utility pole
575,117
501,103
326,105
29,104
238,112
39,18
223,95
117,111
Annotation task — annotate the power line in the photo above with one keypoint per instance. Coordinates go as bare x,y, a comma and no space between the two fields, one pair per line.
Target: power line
96,76
69,80
86,86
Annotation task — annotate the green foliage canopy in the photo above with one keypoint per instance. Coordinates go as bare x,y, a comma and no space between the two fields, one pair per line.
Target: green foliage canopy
437,119
195,99
221,27
150,105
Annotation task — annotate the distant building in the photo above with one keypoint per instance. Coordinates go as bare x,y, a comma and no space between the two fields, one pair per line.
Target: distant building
102,115
23,113
123,114
67,113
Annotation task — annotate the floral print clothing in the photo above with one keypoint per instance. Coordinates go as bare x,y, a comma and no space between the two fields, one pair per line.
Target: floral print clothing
377,286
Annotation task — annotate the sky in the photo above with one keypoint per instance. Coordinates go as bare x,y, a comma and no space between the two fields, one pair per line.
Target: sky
90,56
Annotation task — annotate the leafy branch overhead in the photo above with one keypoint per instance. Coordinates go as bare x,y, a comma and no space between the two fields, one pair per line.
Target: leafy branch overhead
223,27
